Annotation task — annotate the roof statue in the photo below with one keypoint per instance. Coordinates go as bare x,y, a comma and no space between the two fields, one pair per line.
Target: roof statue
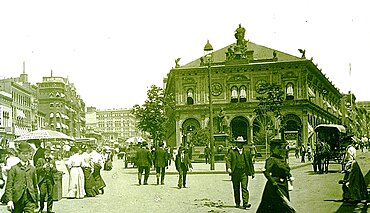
239,35
239,50
177,62
303,51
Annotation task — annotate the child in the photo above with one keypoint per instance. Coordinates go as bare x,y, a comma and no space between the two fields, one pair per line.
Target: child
21,186
46,169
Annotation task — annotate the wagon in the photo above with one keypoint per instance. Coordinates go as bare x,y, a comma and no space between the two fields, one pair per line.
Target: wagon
330,145
130,156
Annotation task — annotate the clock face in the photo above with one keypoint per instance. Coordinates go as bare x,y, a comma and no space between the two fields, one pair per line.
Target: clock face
260,87
216,89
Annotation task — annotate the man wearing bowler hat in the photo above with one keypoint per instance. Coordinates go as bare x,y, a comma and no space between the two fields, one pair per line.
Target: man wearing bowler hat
239,165
21,186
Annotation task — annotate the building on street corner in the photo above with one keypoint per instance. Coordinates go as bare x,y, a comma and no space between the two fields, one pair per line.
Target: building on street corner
238,71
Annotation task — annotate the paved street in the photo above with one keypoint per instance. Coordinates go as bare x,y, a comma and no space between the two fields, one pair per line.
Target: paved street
209,192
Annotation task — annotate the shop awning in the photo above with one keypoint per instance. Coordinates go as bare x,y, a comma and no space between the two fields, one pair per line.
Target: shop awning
20,113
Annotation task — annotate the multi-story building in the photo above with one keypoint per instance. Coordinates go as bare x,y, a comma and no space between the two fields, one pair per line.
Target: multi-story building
22,117
6,115
236,73
64,108
115,125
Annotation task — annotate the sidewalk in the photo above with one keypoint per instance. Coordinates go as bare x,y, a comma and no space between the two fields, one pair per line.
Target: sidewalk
220,167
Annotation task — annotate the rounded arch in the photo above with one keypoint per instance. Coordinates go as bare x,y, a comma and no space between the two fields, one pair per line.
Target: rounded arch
292,122
189,126
239,127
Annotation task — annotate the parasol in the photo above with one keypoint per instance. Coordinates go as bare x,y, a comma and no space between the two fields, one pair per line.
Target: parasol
44,134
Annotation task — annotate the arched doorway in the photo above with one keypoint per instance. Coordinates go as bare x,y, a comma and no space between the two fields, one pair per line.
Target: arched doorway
292,129
239,127
189,126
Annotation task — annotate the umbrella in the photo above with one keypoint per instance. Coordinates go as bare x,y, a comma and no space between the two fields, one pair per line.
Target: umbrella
135,140
44,134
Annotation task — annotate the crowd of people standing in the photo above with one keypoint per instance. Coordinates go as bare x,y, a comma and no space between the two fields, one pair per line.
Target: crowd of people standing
37,168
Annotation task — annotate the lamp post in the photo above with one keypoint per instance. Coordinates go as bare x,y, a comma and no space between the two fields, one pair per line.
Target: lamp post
208,56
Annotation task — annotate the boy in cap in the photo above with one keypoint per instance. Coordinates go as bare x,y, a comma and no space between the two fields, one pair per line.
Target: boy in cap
239,165
46,168
21,186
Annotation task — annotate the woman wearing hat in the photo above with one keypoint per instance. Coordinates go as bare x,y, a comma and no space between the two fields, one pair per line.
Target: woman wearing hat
275,196
353,183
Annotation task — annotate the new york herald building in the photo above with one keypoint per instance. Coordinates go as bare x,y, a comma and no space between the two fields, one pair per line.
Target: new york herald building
237,72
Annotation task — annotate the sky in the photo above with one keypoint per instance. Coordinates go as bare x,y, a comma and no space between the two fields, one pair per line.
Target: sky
114,50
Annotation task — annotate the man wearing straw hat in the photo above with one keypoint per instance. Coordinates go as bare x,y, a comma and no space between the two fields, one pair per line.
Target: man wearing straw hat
239,165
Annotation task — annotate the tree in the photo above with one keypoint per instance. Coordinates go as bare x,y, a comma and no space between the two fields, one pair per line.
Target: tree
151,115
200,137
269,106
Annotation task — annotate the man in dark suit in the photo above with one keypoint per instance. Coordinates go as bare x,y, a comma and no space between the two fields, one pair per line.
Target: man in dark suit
239,165
183,164
161,157
143,161
21,185
46,168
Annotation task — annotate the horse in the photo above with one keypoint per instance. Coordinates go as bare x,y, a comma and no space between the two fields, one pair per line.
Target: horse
323,154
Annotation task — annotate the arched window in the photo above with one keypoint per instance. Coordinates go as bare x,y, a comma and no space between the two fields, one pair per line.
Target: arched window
289,91
189,99
243,94
234,94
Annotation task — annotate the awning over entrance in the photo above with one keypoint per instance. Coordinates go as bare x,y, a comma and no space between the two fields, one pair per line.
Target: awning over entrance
18,131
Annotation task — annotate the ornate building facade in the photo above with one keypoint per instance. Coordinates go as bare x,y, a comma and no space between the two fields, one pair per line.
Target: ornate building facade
238,71
64,108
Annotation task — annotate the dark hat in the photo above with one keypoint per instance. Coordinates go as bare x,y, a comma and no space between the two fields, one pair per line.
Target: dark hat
24,147
240,139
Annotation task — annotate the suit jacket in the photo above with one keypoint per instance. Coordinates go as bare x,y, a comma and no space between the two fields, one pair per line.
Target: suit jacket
184,161
143,157
231,161
17,184
48,172
161,157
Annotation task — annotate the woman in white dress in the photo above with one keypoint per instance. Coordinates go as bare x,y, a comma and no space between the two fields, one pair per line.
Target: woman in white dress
76,186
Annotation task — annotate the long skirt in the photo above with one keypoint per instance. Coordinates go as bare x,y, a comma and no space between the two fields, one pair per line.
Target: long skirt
275,199
99,182
76,186
89,182
356,190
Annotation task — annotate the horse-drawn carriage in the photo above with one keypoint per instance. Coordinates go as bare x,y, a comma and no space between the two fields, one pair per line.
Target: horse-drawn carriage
330,146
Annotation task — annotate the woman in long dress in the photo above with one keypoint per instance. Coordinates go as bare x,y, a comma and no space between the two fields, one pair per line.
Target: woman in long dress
76,186
275,196
354,185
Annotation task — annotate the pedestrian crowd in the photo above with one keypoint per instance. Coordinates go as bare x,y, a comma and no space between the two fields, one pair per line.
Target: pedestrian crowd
29,174
239,165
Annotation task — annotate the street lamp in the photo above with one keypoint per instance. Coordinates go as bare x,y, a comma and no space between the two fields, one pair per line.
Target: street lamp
208,58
